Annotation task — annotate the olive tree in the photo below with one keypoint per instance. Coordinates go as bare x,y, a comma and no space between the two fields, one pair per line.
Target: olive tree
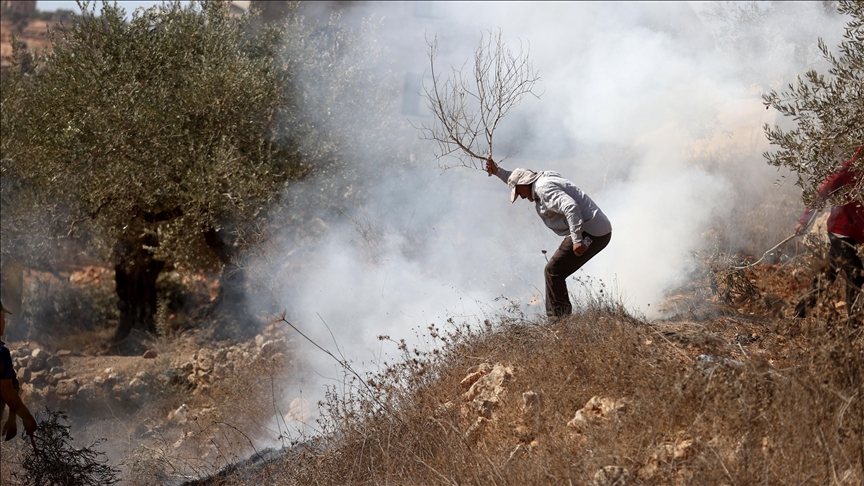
827,111
165,140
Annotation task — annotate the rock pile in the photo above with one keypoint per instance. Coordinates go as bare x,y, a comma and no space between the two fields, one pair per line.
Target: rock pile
45,381
206,365
43,372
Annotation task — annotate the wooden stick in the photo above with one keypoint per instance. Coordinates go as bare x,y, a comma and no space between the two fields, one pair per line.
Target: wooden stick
778,245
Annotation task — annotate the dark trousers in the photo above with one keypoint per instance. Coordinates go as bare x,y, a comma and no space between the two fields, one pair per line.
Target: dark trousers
843,255
563,264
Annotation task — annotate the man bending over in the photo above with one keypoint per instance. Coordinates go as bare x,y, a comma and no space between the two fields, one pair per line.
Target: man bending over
567,211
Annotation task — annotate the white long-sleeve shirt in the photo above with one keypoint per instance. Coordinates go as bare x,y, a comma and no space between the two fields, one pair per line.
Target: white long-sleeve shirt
563,207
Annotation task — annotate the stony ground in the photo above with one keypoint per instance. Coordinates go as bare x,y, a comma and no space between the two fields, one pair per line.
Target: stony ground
166,409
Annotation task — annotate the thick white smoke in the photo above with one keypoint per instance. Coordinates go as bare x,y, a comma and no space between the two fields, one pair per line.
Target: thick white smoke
644,107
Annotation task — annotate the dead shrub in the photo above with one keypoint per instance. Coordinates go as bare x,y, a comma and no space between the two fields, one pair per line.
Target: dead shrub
54,460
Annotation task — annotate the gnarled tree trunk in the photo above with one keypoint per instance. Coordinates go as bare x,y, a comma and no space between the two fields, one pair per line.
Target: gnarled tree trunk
135,275
231,299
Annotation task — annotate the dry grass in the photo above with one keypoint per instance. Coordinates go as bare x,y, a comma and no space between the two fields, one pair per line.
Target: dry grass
778,401
687,420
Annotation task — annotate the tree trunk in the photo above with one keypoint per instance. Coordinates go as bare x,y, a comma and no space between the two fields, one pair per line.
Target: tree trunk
232,279
231,300
135,274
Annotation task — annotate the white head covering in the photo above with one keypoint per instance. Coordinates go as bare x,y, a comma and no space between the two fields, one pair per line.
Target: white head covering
520,177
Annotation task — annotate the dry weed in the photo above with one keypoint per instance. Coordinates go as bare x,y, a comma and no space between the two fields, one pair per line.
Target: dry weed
728,418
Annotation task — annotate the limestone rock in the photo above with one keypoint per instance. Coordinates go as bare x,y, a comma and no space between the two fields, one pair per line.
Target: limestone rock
475,373
86,392
67,387
530,400
596,410
676,449
120,392
205,360
54,362
485,394
611,476
24,375
137,386
36,363
39,378
39,353
476,429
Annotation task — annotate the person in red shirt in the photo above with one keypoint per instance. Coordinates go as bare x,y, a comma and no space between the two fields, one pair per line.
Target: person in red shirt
845,233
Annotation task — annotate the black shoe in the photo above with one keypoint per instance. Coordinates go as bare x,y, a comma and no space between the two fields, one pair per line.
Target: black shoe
800,310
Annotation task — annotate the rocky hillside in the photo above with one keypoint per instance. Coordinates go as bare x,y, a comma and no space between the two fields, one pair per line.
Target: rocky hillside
730,391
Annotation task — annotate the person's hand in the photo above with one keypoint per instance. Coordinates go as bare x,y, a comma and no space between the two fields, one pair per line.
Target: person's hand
491,166
29,424
579,248
10,429
800,229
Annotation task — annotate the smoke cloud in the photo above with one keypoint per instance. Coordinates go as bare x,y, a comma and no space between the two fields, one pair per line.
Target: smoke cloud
654,110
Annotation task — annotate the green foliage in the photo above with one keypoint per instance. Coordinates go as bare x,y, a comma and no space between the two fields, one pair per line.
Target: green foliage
827,110
135,141
164,117
54,461
183,119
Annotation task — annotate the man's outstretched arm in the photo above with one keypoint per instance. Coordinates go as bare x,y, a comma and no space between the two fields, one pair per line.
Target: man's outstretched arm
493,169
